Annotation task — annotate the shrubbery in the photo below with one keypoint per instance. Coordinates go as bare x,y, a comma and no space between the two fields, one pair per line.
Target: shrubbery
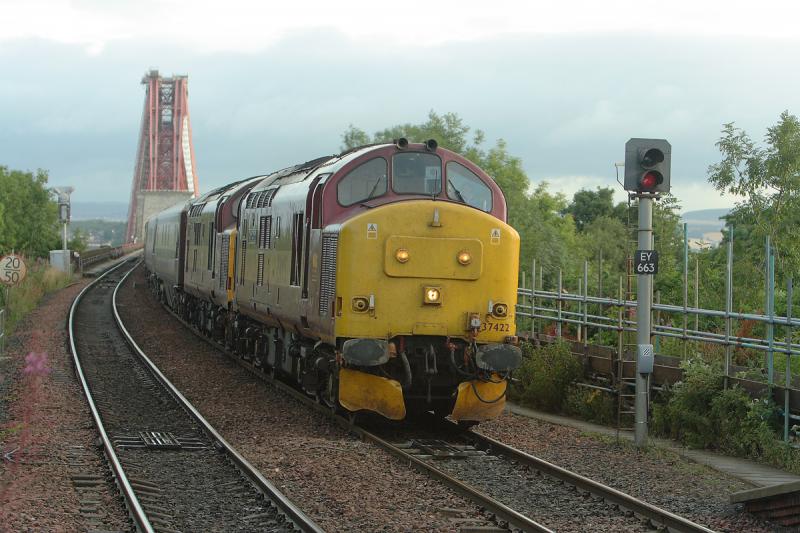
699,412
591,404
545,375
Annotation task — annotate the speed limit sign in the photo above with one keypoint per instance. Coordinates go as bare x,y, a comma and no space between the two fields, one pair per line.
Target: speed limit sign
12,269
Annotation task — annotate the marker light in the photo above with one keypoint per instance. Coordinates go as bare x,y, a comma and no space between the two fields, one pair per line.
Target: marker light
360,304
464,257
402,255
500,310
432,295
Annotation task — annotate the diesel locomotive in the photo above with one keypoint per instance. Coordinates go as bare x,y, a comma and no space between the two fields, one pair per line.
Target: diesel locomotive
380,279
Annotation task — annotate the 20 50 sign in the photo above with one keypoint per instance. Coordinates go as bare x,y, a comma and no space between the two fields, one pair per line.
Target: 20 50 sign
646,262
12,269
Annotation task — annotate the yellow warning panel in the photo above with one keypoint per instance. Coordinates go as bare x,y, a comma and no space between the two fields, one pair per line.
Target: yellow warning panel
359,390
487,404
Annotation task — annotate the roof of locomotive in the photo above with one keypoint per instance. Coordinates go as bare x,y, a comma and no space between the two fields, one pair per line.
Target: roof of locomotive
350,159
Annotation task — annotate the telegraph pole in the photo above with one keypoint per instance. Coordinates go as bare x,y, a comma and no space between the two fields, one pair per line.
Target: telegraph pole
647,173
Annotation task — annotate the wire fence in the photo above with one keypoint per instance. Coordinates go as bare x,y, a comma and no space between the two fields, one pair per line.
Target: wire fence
2,331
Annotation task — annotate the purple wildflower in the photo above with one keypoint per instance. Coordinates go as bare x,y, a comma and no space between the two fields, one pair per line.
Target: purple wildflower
36,364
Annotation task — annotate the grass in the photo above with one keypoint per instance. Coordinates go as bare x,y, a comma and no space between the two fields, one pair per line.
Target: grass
23,298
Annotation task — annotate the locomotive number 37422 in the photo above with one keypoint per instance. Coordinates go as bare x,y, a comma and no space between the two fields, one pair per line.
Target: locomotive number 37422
488,326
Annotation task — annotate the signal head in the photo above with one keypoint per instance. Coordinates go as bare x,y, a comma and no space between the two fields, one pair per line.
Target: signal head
647,165
652,157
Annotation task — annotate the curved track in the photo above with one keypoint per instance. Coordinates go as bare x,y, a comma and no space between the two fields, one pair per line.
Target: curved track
636,514
174,471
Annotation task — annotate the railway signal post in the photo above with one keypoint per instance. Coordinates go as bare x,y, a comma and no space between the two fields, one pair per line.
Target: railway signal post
60,259
647,173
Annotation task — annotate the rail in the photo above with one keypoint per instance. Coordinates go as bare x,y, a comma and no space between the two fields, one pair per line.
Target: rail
641,508
131,501
285,506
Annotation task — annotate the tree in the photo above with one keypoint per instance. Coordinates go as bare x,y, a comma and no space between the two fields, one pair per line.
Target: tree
29,215
588,205
606,237
768,179
450,132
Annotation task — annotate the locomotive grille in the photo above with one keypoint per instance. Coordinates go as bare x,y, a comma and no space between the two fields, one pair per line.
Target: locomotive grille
244,262
327,290
196,209
265,198
223,261
260,274
265,232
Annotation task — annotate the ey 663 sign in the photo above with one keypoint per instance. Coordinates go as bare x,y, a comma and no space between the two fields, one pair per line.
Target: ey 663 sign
646,262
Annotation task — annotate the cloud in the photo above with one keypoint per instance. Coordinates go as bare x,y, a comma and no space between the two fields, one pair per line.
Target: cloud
251,26
565,104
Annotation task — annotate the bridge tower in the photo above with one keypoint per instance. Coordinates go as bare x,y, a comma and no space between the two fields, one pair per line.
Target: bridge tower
165,171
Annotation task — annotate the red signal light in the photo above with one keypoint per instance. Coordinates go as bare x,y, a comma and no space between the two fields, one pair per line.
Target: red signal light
649,180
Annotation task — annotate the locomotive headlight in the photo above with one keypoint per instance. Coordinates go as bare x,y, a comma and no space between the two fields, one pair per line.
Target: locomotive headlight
500,310
402,255
432,295
464,257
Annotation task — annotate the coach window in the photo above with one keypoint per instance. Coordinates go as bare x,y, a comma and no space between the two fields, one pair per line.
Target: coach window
364,182
464,186
416,173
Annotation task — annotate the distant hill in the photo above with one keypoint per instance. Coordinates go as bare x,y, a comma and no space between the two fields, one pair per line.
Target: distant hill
704,221
99,210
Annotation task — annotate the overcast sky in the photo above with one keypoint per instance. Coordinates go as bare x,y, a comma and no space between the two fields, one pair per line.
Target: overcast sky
565,84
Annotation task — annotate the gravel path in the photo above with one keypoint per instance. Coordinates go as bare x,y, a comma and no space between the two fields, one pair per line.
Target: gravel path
340,482
46,434
659,477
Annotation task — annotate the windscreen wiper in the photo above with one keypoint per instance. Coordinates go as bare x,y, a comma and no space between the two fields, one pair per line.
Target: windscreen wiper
458,193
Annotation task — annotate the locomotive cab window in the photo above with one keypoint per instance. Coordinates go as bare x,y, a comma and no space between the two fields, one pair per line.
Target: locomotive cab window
465,187
366,181
416,173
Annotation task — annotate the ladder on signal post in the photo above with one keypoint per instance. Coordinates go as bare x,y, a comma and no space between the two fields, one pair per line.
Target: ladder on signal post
626,386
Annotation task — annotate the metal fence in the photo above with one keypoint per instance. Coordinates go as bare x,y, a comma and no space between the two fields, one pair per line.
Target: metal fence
2,331
104,253
585,315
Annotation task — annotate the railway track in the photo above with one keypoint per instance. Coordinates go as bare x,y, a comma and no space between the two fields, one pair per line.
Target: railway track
533,487
174,471
513,487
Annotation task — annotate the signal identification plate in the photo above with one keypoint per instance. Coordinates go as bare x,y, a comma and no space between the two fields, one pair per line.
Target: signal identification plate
646,262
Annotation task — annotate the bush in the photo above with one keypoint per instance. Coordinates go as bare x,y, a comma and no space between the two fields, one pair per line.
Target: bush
700,413
545,375
686,415
591,404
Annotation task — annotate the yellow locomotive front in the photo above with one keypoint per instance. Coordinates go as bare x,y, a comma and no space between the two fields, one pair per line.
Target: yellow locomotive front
425,298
